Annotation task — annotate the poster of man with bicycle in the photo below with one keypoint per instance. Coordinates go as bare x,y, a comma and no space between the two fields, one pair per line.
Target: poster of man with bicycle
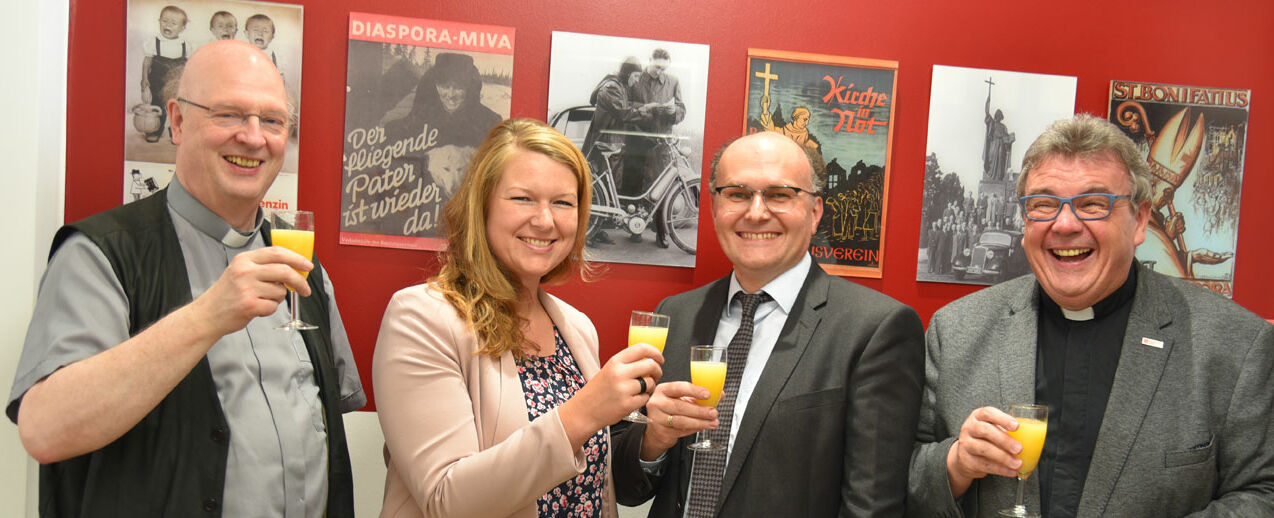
635,108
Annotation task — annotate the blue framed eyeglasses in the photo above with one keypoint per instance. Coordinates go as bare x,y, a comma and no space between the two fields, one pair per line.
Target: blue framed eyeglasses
1088,206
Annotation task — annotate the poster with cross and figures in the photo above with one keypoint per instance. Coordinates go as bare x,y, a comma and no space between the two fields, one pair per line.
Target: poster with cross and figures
841,109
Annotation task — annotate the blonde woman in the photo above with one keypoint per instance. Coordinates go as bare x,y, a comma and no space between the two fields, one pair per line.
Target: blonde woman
489,389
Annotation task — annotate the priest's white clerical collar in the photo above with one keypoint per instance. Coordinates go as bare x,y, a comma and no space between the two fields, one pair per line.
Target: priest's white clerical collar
1079,314
207,221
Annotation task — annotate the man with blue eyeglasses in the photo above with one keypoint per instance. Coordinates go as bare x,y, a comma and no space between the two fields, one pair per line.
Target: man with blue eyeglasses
1159,392
154,380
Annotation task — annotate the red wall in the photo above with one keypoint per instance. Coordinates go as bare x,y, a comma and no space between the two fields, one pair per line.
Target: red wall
1225,45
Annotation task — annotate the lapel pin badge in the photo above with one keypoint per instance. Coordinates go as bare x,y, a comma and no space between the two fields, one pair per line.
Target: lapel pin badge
1152,342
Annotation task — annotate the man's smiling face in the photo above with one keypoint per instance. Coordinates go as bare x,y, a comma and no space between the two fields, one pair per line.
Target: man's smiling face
1078,262
759,242
229,169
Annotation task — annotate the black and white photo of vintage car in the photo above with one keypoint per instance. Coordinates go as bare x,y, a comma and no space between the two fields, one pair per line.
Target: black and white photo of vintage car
994,256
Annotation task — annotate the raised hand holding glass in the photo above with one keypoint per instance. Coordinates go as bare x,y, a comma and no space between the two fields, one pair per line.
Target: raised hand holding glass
1032,426
646,328
294,230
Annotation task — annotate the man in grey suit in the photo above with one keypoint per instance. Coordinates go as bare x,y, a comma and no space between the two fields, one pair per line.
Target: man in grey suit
1159,392
824,376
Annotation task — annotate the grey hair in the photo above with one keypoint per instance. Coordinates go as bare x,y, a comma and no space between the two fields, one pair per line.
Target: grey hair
1085,136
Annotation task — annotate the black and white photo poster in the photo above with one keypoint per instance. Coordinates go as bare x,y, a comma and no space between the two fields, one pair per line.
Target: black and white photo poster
980,124
420,97
635,108
162,34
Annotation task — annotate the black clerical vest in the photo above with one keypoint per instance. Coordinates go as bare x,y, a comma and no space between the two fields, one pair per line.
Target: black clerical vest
173,462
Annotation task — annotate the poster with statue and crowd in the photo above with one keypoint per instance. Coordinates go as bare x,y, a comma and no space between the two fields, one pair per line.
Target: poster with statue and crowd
420,97
162,35
1194,139
841,109
980,124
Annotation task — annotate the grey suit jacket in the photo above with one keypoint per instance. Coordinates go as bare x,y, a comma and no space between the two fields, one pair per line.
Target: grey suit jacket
1187,428
827,430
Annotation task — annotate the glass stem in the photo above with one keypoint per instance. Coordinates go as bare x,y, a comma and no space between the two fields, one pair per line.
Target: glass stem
292,303
1021,488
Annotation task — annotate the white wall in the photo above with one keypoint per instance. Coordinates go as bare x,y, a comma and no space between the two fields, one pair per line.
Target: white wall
31,200
367,458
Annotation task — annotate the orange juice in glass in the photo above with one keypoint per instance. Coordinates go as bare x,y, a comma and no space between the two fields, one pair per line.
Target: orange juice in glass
707,370
709,375
646,328
299,241
1032,426
649,334
1030,432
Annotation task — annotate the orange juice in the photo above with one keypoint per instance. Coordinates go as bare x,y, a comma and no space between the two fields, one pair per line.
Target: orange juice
709,375
655,336
1030,432
299,241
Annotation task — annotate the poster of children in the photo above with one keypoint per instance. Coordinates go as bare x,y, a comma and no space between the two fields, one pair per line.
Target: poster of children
162,35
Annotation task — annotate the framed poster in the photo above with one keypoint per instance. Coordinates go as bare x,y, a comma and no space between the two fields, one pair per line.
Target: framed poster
981,122
635,107
420,97
162,34
1194,139
843,110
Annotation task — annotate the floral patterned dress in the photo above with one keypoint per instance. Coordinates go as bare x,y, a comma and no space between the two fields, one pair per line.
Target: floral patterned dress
548,381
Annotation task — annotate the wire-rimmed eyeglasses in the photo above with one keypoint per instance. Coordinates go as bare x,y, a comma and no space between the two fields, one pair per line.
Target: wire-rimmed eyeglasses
275,123
1088,206
777,198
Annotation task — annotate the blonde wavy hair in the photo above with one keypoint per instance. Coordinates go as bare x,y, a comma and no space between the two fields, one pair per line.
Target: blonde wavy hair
481,289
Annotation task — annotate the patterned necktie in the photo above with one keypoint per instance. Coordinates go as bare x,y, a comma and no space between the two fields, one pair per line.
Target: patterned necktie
709,467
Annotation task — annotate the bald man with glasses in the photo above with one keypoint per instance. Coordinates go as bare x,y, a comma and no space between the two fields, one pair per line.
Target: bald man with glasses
154,380
823,376
1159,392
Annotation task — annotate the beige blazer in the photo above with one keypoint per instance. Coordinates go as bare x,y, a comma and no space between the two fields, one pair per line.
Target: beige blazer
457,439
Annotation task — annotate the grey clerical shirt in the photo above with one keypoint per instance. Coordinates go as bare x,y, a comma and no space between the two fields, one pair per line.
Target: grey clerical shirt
277,463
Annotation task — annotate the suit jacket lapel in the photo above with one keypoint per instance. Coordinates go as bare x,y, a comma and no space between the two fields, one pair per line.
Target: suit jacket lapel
1019,336
703,331
1137,379
791,345
709,315
585,359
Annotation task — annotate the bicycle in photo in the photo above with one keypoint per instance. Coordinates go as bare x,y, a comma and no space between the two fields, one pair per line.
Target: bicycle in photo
671,200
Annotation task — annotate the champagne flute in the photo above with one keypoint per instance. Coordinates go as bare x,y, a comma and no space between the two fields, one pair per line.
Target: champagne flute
294,230
1032,426
646,328
707,370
